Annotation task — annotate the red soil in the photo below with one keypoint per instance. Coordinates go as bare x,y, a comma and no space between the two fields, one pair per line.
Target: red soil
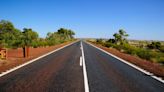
15,56
155,68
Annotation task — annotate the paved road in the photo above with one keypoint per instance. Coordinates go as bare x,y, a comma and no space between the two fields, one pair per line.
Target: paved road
60,72
57,72
107,74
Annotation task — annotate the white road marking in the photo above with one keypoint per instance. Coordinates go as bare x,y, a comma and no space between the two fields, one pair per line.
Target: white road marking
130,64
81,60
33,60
86,86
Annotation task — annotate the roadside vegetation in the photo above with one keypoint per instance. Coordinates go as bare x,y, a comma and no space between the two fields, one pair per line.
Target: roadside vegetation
11,37
19,46
151,51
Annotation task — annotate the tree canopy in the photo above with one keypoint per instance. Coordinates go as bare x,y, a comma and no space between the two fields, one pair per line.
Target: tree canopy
12,37
9,35
61,35
120,37
29,36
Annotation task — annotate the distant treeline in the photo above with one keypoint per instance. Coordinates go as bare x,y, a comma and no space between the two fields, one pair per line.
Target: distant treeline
11,37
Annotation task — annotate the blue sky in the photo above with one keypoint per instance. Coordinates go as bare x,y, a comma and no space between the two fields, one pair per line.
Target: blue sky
142,19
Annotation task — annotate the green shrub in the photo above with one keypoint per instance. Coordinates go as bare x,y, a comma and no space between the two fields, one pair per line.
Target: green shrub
118,47
34,44
158,57
161,48
108,44
154,45
99,41
129,49
161,60
145,54
154,56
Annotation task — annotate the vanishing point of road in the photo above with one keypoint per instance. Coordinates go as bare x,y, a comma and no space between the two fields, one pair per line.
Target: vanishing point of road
63,71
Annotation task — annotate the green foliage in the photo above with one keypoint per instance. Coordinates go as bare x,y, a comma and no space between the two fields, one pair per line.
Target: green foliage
39,43
161,60
120,37
145,54
18,40
154,45
108,44
10,37
161,48
151,55
111,41
29,37
62,35
129,49
6,26
140,52
99,41
66,33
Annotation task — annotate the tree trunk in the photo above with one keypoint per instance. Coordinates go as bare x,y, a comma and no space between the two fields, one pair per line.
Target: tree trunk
26,51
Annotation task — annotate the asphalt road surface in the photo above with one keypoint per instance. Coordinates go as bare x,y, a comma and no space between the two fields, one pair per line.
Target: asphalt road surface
61,72
107,74
57,72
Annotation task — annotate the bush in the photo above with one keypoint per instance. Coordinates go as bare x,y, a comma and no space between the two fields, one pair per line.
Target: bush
130,49
145,54
99,41
154,56
154,45
158,57
34,44
161,48
118,47
111,41
140,52
108,44
161,60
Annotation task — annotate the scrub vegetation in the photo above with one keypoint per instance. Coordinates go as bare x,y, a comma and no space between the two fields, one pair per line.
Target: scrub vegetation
11,37
151,51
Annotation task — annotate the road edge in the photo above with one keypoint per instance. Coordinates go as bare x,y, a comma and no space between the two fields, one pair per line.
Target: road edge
33,60
128,63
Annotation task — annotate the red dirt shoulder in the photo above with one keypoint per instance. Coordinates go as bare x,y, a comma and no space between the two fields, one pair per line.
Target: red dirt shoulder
155,68
15,56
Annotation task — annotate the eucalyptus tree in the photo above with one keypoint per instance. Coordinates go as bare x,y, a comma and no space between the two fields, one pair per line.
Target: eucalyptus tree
121,37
